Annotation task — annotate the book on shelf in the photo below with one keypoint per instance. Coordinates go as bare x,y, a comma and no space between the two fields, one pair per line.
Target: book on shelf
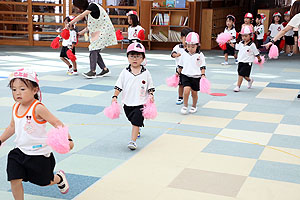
161,20
180,4
154,21
170,3
181,21
185,21
166,19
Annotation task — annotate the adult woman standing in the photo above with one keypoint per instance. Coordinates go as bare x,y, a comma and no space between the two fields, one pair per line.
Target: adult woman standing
101,34
293,23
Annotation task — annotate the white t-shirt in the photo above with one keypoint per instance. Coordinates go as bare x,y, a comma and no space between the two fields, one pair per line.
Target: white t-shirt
233,34
135,88
295,22
133,32
31,133
72,39
191,64
179,48
275,28
247,52
260,31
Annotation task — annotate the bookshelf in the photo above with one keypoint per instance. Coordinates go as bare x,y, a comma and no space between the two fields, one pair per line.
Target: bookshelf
165,26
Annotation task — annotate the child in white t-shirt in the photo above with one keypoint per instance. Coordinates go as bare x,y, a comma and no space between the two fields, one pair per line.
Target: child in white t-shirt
135,83
289,35
259,30
192,65
32,159
69,44
247,53
176,53
135,32
230,20
275,27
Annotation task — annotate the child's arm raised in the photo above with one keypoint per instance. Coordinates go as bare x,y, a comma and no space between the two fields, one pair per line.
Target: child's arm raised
41,112
9,131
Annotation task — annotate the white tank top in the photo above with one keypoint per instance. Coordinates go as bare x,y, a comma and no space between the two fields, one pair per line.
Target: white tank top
31,133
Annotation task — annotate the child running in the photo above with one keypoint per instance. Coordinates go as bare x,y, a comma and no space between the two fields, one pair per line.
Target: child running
32,159
135,83
288,36
259,30
275,27
230,50
192,68
135,32
247,52
176,53
69,44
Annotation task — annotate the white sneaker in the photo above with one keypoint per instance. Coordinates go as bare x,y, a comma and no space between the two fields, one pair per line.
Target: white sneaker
75,73
184,110
236,89
179,102
236,62
224,63
193,109
282,51
132,145
250,83
70,70
64,185
290,54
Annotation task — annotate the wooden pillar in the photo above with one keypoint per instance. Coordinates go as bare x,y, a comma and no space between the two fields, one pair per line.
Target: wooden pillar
70,7
64,9
30,23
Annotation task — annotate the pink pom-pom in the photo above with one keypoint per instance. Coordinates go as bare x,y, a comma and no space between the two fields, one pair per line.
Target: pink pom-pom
113,111
65,34
204,85
71,56
57,138
273,53
173,81
260,64
149,110
55,43
223,38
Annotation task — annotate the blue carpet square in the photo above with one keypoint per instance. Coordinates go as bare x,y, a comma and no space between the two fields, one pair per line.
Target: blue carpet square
54,90
276,171
284,85
83,109
234,149
286,141
78,184
97,87
252,126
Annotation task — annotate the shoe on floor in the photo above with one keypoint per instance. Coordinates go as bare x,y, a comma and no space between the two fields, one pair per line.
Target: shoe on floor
184,110
132,145
250,83
179,102
236,89
236,62
72,73
282,51
89,75
290,54
103,73
224,63
63,186
298,96
193,109
70,70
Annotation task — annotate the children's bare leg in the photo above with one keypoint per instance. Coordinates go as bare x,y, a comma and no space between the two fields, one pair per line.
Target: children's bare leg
186,94
226,57
195,98
74,65
134,132
17,189
180,91
240,80
56,180
247,78
65,61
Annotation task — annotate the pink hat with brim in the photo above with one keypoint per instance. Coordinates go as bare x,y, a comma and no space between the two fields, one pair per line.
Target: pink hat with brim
24,73
137,47
246,30
192,38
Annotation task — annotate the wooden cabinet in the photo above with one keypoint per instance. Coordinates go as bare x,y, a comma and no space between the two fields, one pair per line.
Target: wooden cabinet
214,21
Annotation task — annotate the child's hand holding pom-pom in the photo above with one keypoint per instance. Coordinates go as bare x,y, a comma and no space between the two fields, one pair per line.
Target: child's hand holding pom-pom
273,53
149,110
223,38
113,111
260,64
65,34
58,139
55,43
173,81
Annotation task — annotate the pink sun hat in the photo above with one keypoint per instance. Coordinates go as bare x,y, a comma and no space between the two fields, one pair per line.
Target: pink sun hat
192,38
24,73
246,30
137,47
